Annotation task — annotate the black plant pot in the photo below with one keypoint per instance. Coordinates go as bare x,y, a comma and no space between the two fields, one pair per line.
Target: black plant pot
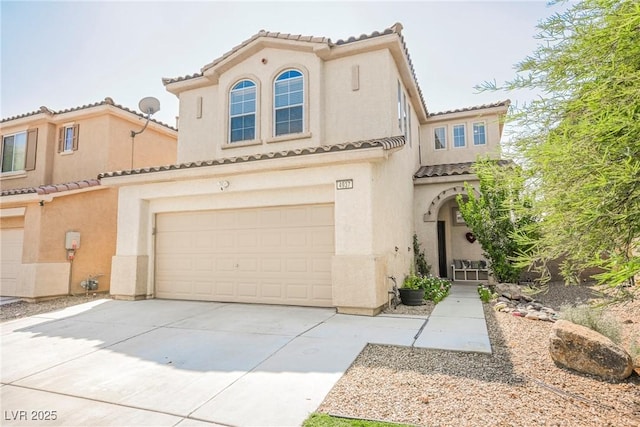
411,296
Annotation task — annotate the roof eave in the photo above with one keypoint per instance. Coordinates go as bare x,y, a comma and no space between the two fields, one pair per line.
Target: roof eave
468,177
371,154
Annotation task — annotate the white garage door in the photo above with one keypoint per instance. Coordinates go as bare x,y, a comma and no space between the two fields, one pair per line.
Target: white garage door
10,259
275,255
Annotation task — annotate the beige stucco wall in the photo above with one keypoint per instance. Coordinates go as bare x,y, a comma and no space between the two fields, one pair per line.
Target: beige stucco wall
90,157
334,112
493,127
44,153
45,267
153,147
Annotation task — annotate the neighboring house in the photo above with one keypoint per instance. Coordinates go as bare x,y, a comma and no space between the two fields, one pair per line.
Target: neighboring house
305,168
50,161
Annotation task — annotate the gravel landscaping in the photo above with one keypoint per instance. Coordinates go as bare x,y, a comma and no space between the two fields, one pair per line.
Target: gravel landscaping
18,309
517,385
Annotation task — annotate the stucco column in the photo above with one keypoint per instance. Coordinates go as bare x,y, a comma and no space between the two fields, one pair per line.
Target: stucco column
354,266
130,265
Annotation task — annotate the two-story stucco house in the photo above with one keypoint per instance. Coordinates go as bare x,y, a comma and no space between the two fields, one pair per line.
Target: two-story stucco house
305,167
50,161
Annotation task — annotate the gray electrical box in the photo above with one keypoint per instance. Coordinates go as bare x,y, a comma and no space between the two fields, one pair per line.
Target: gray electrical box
72,240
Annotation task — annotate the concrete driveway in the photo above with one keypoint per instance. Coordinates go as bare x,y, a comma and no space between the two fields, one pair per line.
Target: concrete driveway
181,363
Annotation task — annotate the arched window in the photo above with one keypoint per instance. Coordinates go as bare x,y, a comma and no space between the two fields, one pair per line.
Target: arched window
289,103
242,111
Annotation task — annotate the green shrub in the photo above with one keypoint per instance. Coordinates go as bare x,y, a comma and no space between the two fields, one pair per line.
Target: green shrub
593,318
411,282
435,288
486,294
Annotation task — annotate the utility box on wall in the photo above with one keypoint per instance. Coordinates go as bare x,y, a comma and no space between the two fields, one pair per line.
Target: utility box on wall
72,240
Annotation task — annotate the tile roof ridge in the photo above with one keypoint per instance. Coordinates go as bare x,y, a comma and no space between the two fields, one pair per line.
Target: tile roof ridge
394,29
53,188
106,101
502,103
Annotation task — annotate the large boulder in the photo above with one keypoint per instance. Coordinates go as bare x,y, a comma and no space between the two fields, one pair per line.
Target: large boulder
584,350
509,290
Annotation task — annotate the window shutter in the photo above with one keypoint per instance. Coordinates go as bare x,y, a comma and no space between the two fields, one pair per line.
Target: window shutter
76,129
32,149
61,140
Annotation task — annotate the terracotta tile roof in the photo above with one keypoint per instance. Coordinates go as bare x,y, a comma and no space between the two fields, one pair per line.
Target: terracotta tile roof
394,29
106,101
53,188
504,103
450,169
387,143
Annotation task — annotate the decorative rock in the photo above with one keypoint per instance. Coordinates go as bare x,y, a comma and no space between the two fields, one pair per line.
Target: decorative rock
584,350
500,306
524,307
509,290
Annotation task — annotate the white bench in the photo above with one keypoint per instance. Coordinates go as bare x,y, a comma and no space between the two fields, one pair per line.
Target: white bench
469,271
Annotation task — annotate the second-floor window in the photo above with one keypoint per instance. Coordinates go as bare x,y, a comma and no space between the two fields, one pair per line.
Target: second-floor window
440,138
14,150
479,134
242,111
289,103
458,136
19,151
68,138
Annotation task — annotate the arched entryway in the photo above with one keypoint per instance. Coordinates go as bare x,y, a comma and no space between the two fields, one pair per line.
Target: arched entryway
444,234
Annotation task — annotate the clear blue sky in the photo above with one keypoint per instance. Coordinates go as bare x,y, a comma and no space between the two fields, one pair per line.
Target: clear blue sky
66,54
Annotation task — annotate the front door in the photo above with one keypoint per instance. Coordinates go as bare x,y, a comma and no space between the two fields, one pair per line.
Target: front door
442,250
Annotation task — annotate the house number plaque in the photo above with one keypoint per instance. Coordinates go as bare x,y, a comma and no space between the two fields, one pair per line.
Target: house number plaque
344,184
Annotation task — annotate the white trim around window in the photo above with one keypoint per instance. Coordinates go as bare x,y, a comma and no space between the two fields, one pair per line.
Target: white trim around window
243,120
459,138
479,133
289,102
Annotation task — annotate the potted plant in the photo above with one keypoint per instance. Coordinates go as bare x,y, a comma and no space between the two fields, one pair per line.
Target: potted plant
412,292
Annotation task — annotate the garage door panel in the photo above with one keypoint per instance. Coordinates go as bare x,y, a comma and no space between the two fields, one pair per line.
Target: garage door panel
321,292
271,265
298,291
297,265
271,239
247,289
225,264
271,290
321,265
271,218
11,241
224,288
204,288
247,264
272,255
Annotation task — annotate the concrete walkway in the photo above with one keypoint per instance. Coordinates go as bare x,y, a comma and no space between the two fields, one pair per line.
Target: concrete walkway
457,323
